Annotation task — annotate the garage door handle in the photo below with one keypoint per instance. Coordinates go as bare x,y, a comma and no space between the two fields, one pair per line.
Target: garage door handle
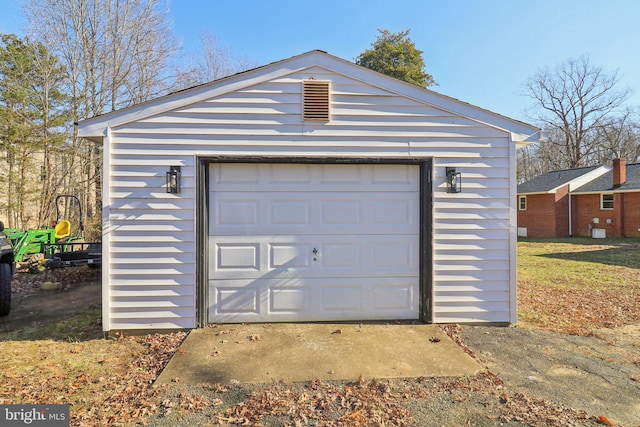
315,252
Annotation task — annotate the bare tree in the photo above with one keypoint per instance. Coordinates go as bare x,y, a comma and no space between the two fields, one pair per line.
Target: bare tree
574,101
540,158
214,60
619,138
116,53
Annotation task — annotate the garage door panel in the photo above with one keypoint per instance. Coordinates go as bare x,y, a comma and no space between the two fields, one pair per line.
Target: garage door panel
313,242
393,298
287,174
288,255
238,300
312,300
324,178
391,255
290,212
394,176
230,213
234,256
289,300
341,212
343,298
345,255
335,256
393,211
309,213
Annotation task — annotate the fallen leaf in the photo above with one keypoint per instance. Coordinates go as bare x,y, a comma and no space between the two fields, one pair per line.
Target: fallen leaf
337,332
604,420
434,339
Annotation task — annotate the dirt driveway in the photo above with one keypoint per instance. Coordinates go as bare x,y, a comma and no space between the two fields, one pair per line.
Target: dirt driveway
533,377
34,309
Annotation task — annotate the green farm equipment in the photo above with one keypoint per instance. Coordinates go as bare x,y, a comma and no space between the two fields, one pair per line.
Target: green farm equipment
32,246
14,234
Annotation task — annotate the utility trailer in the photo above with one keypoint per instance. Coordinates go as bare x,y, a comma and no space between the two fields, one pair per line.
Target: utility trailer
76,254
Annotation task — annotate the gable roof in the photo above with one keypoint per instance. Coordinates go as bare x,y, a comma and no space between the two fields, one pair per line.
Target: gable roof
550,181
96,128
604,183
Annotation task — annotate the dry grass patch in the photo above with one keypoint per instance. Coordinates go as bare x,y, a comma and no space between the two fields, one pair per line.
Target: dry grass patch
578,285
105,382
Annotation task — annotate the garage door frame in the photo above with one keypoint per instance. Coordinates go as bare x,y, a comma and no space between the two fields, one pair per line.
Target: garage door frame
426,221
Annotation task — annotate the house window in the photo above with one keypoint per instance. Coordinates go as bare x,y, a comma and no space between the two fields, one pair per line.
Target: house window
606,201
522,203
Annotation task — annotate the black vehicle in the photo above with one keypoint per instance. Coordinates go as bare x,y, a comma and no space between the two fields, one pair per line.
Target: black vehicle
7,269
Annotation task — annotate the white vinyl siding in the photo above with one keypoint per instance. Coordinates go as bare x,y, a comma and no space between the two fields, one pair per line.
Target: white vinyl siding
151,272
151,247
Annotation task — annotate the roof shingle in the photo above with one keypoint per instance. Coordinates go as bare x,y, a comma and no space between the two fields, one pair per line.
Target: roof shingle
554,179
604,183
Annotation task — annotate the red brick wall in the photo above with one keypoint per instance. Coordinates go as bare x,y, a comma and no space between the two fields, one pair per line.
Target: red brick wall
631,202
562,212
539,218
586,207
547,215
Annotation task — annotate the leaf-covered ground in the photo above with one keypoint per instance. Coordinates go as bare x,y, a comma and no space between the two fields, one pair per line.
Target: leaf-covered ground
567,287
106,382
577,286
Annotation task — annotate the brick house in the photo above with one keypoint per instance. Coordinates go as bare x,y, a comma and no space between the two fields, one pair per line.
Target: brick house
597,201
609,206
543,202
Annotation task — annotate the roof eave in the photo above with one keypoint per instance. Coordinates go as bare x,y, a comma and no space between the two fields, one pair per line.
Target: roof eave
534,193
607,191
524,140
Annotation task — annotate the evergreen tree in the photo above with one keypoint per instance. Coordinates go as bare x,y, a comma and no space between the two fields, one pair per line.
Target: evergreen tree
33,112
395,55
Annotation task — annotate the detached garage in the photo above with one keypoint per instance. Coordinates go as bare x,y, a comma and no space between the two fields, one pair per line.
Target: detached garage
310,189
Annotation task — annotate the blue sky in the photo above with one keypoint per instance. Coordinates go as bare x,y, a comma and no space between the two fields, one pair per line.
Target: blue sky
479,51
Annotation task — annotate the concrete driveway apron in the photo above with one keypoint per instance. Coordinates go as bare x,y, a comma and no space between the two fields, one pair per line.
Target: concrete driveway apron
255,353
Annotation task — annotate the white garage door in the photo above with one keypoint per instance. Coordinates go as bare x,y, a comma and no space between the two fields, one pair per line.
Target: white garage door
311,242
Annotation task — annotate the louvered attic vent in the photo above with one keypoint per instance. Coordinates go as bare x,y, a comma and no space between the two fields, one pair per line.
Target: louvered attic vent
315,100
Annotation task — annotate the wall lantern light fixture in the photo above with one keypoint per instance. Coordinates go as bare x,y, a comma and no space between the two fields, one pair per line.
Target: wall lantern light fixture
173,180
454,181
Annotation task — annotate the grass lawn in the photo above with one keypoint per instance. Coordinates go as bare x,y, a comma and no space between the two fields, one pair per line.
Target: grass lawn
578,285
